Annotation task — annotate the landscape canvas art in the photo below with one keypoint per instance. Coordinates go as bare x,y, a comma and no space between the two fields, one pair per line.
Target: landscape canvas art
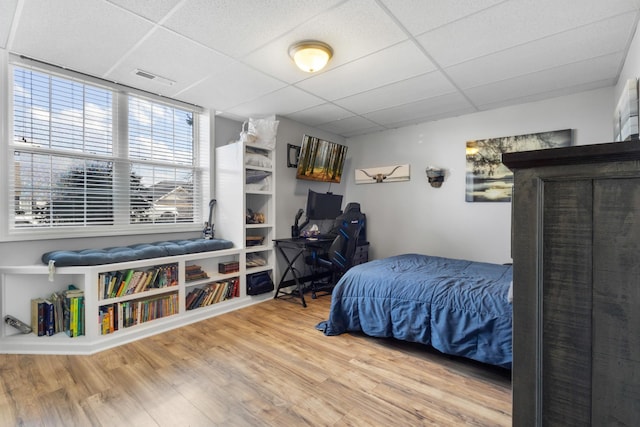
488,180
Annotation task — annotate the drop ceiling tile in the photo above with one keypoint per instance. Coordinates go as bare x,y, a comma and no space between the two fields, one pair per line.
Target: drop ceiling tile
350,125
453,102
354,29
601,38
603,69
512,23
387,66
351,134
7,10
541,96
190,62
319,114
233,85
281,102
237,28
154,10
425,86
85,35
418,16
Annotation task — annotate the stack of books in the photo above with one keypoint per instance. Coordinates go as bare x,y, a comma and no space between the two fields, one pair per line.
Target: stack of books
62,312
194,272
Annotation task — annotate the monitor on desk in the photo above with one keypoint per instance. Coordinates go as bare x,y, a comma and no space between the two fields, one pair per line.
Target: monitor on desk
320,207
323,205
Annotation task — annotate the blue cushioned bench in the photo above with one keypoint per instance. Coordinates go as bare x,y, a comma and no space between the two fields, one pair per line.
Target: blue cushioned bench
134,252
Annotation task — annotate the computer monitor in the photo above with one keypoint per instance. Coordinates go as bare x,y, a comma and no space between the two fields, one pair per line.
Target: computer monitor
323,205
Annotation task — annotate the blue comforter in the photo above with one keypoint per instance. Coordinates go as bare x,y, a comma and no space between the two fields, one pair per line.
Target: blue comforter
458,307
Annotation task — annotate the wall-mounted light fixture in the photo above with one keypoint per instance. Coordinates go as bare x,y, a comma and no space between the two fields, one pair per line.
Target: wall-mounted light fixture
435,176
310,55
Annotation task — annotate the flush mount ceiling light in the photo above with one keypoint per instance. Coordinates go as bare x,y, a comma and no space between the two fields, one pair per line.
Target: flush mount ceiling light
310,55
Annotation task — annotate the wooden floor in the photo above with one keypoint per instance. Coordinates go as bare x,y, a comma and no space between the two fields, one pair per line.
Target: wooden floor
265,365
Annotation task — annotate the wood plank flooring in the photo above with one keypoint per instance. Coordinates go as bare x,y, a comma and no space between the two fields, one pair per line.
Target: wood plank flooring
265,365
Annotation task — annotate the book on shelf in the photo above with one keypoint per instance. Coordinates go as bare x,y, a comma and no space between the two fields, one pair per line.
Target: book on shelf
49,318
57,301
194,272
127,282
113,280
228,267
213,293
196,296
73,311
221,290
132,283
37,316
144,281
196,276
108,318
124,283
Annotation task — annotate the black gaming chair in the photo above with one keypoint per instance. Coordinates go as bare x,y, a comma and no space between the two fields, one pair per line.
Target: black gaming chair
339,257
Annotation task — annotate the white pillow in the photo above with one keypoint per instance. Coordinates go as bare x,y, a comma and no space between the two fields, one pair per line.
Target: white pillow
254,159
510,294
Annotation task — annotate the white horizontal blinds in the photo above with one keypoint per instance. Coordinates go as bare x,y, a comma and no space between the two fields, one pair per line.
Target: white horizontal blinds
163,163
91,157
62,144
61,114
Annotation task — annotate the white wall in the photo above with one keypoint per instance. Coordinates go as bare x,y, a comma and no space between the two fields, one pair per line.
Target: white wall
291,193
412,216
631,68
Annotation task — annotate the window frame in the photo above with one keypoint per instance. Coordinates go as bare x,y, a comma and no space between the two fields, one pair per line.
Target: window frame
120,95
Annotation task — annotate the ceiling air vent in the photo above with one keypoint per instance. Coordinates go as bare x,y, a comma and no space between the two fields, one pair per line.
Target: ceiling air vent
154,77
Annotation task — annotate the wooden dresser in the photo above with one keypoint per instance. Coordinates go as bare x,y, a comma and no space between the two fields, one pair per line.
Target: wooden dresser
576,309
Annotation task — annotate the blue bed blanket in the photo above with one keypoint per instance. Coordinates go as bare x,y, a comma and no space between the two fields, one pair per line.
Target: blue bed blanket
458,307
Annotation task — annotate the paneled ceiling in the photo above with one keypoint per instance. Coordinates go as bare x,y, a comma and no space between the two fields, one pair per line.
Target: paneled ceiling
396,62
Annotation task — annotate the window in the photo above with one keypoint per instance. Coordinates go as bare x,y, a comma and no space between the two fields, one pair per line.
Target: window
91,159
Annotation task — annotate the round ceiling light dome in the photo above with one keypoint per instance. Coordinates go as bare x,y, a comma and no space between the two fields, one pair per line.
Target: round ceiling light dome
311,55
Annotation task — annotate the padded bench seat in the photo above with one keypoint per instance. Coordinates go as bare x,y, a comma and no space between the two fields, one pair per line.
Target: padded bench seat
134,252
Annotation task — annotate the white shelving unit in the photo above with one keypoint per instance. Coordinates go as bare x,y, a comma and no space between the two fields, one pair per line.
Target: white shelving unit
20,284
236,197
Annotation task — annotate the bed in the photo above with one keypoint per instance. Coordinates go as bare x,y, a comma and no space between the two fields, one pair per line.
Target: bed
458,307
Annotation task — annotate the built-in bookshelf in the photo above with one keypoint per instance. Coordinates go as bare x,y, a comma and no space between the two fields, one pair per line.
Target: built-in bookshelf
247,216
123,302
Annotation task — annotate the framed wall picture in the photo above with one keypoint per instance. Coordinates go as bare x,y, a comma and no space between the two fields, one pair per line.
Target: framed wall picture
378,175
487,179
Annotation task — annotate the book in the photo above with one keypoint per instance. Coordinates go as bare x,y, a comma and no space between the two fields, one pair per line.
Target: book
49,318
37,316
152,281
73,311
124,282
190,298
56,299
132,283
198,300
221,290
116,278
80,315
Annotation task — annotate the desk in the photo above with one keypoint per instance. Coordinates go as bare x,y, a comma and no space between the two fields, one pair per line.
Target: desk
291,250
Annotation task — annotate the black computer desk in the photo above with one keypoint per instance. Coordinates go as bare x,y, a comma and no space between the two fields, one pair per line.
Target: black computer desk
291,250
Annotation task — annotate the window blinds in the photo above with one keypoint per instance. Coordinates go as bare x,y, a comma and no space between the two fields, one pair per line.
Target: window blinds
70,171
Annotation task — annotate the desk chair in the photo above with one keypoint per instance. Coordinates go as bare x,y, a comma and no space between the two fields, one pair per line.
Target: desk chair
339,257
